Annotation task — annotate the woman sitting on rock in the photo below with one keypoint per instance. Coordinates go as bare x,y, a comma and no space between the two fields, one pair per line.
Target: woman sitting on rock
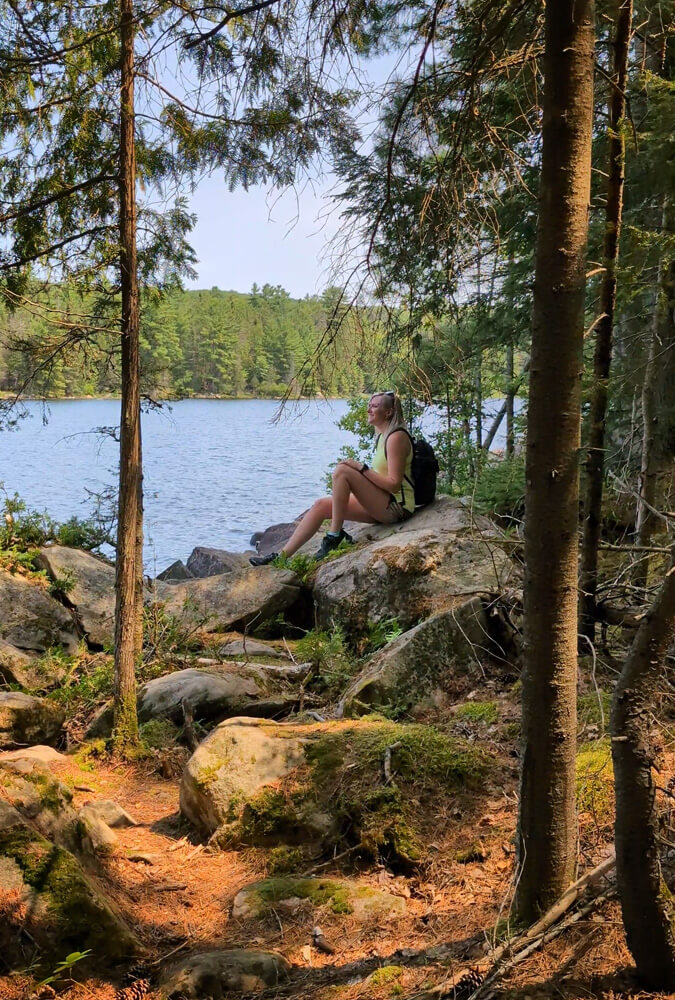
382,494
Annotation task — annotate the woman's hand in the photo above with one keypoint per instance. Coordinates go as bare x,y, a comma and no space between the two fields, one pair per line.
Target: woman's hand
351,463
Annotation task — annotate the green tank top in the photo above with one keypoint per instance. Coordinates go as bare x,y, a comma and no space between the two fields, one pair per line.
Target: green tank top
405,495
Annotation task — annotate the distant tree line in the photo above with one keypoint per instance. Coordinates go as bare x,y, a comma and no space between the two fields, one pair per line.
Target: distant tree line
195,343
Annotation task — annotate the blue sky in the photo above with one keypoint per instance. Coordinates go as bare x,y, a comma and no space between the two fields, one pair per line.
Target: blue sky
242,237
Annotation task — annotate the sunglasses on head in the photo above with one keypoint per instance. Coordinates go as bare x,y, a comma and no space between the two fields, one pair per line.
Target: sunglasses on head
385,392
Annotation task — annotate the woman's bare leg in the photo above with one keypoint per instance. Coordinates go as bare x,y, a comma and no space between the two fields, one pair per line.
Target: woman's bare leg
317,514
310,524
348,482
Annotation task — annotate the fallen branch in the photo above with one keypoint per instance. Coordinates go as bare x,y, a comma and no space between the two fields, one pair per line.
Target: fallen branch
517,949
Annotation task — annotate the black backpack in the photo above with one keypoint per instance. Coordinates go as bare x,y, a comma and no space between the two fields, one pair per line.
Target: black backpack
424,468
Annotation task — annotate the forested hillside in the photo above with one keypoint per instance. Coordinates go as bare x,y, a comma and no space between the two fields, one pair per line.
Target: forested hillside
195,343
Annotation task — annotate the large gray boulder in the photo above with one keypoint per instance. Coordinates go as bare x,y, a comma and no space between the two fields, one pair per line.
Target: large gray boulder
233,600
91,588
216,974
234,762
48,895
423,663
17,667
213,693
31,620
435,560
25,719
359,782
203,562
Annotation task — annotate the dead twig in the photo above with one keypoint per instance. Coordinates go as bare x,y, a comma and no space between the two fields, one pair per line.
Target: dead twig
386,766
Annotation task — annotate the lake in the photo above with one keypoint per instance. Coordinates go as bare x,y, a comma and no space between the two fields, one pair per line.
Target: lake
215,470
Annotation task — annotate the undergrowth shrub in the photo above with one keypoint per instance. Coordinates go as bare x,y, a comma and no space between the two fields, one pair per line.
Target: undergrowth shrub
332,661
595,783
500,489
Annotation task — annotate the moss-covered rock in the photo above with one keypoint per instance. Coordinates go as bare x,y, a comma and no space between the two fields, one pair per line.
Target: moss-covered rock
421,663
53,898
338,895
214,974
28,785
25,719
260,782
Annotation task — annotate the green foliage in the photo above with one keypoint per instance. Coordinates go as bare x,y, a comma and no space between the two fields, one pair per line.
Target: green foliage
500,488
595,782
300,564
333,663
61,585
593,709
86,688
284,860
378,634
65,966
78,534
24,531
485,712
158,734
164,634
21,528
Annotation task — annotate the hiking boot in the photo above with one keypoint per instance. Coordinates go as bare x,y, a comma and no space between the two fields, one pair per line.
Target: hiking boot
330,542
263,560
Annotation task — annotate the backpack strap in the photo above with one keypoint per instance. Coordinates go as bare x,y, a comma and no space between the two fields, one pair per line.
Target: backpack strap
412,445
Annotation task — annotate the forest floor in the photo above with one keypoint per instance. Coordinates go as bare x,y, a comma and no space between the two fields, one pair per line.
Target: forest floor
177,896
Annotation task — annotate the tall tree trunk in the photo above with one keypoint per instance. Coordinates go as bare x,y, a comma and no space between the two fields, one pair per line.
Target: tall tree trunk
658,409
510,397
547,817
478,395
595,461
126,567
646,903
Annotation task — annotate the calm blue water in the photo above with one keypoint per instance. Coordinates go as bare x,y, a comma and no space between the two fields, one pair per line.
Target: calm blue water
215,471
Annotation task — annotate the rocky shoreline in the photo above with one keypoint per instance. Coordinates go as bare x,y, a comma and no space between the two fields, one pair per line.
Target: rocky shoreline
278,757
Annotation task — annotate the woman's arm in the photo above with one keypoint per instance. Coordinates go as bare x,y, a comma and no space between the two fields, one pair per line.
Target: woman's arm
398,449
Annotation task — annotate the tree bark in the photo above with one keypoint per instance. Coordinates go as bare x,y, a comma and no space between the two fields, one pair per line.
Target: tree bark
509,401
658,409
547,816
595,460
126,567
646,903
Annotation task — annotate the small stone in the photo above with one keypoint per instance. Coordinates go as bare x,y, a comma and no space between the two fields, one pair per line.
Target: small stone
110,812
